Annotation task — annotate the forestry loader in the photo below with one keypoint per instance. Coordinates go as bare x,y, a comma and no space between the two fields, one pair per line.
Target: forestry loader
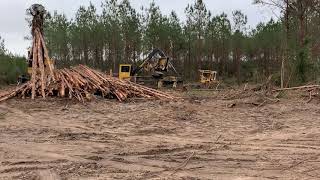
155,70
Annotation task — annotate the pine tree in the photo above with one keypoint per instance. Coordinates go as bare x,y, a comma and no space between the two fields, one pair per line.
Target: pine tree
197,19
2,47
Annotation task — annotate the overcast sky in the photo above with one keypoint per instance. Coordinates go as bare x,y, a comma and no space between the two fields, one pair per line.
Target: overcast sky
13,27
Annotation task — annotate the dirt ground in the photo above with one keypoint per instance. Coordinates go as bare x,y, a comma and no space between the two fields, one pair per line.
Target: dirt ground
201,137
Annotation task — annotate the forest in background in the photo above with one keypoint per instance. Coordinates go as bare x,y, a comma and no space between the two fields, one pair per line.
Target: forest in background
287,48
11,66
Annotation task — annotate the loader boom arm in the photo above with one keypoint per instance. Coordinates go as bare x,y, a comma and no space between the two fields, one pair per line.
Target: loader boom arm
152,54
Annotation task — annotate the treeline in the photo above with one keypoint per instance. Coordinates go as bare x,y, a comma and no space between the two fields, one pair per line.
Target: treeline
11,66
121,34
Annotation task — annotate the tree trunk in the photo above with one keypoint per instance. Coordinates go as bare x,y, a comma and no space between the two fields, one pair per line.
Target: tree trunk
238,59
286,51
301,29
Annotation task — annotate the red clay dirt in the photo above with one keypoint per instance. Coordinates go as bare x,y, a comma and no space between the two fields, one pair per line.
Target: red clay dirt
198,138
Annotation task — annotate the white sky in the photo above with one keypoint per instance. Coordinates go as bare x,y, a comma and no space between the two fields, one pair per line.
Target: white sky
13,27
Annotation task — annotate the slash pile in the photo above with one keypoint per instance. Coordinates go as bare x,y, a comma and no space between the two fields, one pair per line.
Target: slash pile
82,82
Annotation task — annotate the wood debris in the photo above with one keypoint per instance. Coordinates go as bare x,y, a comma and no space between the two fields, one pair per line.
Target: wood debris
311,90
308,87
83,83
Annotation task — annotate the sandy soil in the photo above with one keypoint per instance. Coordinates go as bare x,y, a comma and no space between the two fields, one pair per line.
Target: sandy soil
198,138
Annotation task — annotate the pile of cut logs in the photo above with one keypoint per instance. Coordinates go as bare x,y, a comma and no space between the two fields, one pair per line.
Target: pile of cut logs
83,83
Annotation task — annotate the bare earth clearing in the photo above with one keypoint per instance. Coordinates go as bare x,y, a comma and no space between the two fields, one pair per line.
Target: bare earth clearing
198,138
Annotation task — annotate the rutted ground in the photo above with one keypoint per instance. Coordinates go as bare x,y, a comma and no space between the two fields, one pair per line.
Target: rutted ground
193,139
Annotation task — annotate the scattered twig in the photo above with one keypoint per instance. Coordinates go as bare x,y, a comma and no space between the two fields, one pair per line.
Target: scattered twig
297,88
217,88
310,97
183,164
218,138
273,100
300,162
245,87
65,108
261,104
232,105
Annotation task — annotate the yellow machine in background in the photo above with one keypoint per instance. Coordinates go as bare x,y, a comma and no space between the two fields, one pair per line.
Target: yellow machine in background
125,71
152,71
208,78
47,63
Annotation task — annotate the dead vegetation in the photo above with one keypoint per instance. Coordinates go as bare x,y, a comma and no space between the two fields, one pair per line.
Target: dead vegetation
260,95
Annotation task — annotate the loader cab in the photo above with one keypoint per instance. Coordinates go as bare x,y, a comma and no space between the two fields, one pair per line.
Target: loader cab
163,64
125,71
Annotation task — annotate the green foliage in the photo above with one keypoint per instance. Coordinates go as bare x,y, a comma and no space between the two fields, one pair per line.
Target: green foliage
122,34
218,38
240,20
197,18
303,64
249,71
2,48
11,68
57,37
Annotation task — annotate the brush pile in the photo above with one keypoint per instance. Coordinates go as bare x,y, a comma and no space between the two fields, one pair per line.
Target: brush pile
79,82
82,83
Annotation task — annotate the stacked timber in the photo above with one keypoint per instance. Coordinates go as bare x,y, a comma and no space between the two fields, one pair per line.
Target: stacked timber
42,69
39,55
83,83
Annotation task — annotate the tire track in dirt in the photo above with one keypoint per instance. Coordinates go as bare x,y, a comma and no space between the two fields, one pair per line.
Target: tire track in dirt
149,140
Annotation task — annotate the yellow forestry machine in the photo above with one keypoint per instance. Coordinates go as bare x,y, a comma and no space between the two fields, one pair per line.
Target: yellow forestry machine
208,78
26,77
155,70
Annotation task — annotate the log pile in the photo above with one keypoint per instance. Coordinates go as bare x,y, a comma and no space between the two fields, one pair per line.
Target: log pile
79,82
82,83
39,55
